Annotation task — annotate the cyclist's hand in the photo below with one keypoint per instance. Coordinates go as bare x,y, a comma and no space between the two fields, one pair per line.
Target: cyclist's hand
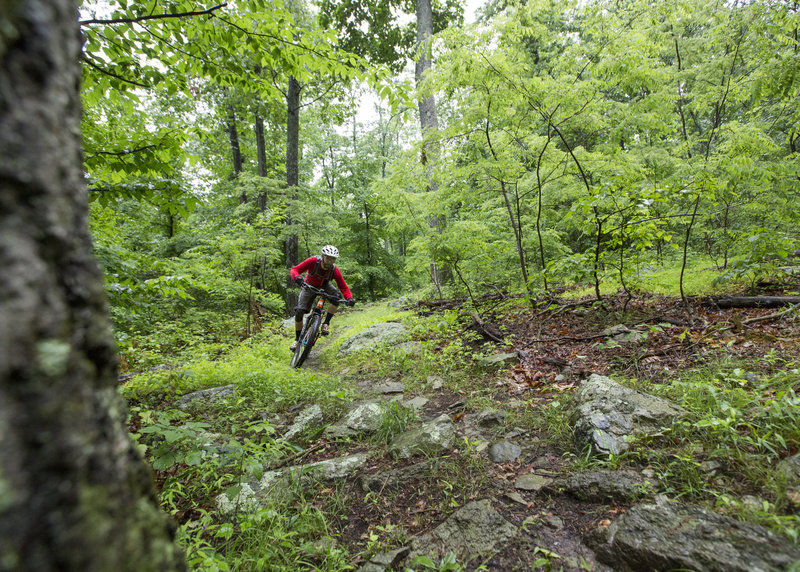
351,302
299,280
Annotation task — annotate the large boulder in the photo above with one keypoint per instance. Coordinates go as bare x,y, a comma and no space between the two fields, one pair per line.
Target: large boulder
389,333
672,537
605,415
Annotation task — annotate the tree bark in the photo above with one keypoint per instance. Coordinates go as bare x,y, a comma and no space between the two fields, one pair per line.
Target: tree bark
428,119
74,492
291,248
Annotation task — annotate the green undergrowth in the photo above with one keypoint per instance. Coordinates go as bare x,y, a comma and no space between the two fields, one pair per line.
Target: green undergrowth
212,447
742,419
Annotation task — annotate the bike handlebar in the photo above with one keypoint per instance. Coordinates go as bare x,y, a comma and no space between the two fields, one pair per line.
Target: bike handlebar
320,292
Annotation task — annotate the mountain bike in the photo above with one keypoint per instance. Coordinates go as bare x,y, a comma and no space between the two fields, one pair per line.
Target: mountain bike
310,331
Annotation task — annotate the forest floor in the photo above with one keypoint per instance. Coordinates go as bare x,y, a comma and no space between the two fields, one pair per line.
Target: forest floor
560,346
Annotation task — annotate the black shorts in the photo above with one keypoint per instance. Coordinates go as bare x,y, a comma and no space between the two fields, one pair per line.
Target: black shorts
307,297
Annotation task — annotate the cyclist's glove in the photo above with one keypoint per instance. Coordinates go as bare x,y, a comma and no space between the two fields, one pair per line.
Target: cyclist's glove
299,280
350,302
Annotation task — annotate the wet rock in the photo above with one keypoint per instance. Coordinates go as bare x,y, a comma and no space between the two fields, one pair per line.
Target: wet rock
391,333
605,414
504,451
601,486
473,530
430,438
666,537
309,418
360,419
205,395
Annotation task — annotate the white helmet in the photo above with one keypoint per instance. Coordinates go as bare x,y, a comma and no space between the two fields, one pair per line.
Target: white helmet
329,250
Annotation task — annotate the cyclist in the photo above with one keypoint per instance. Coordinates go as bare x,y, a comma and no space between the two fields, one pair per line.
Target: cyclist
319,271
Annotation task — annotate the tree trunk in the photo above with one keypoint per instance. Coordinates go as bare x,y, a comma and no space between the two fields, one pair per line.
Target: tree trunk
291,249
428,119
261,153
75,493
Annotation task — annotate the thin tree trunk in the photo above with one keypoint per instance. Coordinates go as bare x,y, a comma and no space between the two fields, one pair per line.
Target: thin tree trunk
291,249
75,492
428,119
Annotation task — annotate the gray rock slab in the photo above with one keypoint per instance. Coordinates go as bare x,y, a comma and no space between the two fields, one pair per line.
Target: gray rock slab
362,418
601,486
309,418
391,333
395,477
208,395
605,414
388,387
431,438
417,403
499,361
669,537
504,451
532,482
473,530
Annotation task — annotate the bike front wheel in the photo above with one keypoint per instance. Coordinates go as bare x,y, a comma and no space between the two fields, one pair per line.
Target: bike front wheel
307,338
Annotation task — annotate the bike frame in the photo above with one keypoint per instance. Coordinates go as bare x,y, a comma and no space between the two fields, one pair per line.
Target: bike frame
311,329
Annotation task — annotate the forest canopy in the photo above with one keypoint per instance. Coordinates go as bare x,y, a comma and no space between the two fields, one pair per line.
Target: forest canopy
589,142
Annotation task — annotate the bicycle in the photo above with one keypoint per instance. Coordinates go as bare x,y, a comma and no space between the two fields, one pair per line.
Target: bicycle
311,329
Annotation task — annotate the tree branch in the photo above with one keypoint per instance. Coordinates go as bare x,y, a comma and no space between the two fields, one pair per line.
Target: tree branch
150,17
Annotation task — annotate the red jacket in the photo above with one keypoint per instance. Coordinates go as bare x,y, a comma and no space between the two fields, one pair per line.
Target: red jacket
317,278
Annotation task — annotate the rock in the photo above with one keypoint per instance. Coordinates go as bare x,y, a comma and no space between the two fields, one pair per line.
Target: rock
396,477
388,387
416,403
789,469
430,438
473,530
362,418
207,395
498,361
383,561
391,333
401,302
606,413
309,418
504,451
277,485
532,482
621,334
666,537
601,486
435,382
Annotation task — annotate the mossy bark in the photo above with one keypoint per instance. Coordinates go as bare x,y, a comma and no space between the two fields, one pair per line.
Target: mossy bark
74,493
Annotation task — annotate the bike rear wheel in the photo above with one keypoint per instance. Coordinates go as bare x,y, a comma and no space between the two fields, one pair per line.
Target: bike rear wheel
307,338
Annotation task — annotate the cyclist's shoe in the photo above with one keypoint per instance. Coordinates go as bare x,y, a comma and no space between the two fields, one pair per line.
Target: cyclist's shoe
325,330
293,347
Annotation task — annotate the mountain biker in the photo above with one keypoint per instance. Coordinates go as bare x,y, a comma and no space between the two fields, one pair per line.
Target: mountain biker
319,270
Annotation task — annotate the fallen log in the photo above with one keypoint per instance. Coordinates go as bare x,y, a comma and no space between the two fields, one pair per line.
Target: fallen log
749,301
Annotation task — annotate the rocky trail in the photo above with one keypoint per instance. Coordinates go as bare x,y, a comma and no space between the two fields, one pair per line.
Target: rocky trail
466,483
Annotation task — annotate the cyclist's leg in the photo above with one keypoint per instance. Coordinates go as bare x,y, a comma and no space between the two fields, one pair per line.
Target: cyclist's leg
301,309
332,308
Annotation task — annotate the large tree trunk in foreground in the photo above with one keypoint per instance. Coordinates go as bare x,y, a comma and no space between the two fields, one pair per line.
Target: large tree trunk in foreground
74,492
291,248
